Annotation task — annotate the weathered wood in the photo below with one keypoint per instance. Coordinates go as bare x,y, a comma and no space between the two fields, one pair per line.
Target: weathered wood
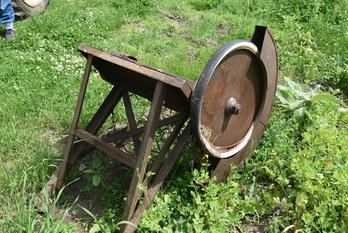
112,151
131,120
165,148
141,79
145,150
162,89
125,134
159,179
78,108
98,120
153,168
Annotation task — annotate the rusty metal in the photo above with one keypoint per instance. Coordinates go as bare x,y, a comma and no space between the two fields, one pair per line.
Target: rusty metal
232,81
226,109
264,41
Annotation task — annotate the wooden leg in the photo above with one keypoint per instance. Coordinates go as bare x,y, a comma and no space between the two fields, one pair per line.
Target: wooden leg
165,148
131,120
154,167
145,150
160,177
68,147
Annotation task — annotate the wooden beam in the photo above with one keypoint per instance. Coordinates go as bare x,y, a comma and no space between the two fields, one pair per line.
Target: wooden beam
145,150
106,147
77,113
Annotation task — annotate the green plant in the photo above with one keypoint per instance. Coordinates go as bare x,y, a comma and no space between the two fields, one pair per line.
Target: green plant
95,171
294,98
22,213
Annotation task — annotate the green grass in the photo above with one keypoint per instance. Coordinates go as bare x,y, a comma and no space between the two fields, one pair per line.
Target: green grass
295,181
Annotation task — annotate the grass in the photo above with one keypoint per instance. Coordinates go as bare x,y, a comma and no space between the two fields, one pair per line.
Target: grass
295,181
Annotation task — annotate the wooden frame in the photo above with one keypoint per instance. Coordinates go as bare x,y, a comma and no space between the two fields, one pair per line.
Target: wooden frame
161,87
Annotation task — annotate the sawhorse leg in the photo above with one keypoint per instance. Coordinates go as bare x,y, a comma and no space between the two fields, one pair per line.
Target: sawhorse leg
145,150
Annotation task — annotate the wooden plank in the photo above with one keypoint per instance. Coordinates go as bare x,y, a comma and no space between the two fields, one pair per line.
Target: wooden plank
123,134
141,69
106,147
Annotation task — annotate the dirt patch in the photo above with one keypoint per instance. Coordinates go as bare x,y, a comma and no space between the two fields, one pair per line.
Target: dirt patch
224,29
173,18
53,136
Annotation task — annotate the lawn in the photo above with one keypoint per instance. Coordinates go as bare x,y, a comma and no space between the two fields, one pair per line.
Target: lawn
295,181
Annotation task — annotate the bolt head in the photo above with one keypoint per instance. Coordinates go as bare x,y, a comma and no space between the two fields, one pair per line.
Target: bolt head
232,106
